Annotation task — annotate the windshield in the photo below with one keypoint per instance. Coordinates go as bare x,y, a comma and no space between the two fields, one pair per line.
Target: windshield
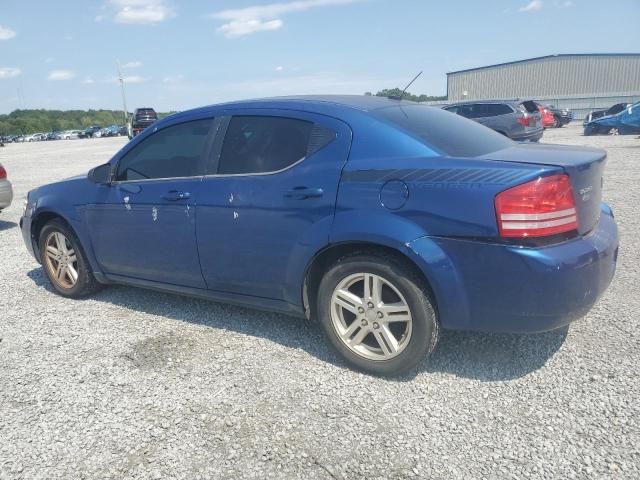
452,134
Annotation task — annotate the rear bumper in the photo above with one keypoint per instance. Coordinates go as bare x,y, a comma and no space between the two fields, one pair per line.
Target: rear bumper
524,290
532,136
6,194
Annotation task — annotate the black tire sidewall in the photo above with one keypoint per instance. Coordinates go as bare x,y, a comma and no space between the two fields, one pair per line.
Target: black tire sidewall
85,276
424,326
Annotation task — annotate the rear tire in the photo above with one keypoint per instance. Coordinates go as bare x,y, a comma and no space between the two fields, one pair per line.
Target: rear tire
386,328
64,261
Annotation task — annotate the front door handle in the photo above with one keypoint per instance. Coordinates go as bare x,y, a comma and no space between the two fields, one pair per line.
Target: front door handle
174,196
301,193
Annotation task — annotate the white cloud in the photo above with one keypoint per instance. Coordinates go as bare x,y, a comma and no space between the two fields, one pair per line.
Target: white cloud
141,11
9,72
6,33
132,64
279,68
532,6
61,75
259,18
88,81
565,4
49,60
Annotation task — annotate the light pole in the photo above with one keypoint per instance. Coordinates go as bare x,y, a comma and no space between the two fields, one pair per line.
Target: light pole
124,99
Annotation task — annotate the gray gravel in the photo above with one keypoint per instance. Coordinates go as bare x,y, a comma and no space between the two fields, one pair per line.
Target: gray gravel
137,384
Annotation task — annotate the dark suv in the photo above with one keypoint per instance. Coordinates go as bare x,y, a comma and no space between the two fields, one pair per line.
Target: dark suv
141,119
517,119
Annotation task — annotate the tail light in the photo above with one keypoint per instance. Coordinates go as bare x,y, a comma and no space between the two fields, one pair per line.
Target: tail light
539,208
524,121
3,173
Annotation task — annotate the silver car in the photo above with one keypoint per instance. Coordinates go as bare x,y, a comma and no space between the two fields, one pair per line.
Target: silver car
6,192
517,119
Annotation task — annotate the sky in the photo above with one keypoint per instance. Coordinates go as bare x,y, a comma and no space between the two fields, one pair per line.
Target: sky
176,55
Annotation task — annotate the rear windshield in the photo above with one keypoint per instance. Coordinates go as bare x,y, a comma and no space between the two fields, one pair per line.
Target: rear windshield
529,106
452,134
146,112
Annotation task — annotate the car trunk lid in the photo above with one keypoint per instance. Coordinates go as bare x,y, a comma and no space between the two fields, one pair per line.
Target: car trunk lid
585,167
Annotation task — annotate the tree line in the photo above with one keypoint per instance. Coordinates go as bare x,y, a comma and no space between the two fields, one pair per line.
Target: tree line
397,92
21,122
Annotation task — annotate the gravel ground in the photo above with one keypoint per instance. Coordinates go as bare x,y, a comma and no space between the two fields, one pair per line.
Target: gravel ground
138,384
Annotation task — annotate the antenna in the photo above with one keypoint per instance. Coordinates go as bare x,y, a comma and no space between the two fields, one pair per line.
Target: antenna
401,96
410,83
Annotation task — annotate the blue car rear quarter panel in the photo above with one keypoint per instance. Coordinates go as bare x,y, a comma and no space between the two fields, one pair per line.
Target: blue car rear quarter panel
519,289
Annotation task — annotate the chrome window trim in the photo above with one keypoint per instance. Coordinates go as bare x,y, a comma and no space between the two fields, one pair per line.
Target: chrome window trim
273,172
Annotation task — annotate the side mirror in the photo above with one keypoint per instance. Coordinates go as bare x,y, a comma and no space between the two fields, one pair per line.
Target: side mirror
100,174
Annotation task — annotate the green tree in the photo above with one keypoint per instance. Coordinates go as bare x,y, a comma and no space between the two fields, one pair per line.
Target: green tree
397,92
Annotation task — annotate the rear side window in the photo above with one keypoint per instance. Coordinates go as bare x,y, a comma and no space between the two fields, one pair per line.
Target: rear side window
451,134
175,151
262,144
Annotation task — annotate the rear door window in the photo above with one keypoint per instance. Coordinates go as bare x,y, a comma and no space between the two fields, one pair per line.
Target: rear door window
266,144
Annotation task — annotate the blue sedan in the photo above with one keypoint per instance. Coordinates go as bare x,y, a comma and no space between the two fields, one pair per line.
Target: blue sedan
626,122
384,220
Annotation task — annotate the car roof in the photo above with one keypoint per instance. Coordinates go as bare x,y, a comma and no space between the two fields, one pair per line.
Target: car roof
364,103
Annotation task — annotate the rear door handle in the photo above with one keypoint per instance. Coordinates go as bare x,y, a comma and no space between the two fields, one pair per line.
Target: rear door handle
301,193
174,196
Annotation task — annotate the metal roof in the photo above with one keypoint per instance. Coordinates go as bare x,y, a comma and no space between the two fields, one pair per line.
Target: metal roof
560,55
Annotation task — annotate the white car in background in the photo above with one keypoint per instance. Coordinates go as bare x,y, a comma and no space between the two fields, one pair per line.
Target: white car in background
6,192
71,134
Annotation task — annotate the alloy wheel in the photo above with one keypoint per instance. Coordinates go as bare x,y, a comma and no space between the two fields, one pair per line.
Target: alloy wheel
370,316
61,260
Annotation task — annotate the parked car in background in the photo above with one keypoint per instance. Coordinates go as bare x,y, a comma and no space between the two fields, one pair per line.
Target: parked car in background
113,131
89,131
563,116
626,122
6,192
519,120
71,134
547,118
141,119
53,136
350,210
612,110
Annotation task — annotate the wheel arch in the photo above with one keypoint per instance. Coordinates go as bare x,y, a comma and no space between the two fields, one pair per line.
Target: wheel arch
43,216
326,257
38,221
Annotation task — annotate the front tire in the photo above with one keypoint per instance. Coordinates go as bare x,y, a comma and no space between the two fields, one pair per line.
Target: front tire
64,261
376,314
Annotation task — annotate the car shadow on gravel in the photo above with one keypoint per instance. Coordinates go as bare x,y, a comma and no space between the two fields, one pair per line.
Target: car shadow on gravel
4,225
485,357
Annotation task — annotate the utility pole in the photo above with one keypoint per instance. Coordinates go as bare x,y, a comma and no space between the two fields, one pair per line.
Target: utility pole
124,99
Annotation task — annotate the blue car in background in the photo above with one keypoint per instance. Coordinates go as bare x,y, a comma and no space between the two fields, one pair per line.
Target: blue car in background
627,122
384,220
